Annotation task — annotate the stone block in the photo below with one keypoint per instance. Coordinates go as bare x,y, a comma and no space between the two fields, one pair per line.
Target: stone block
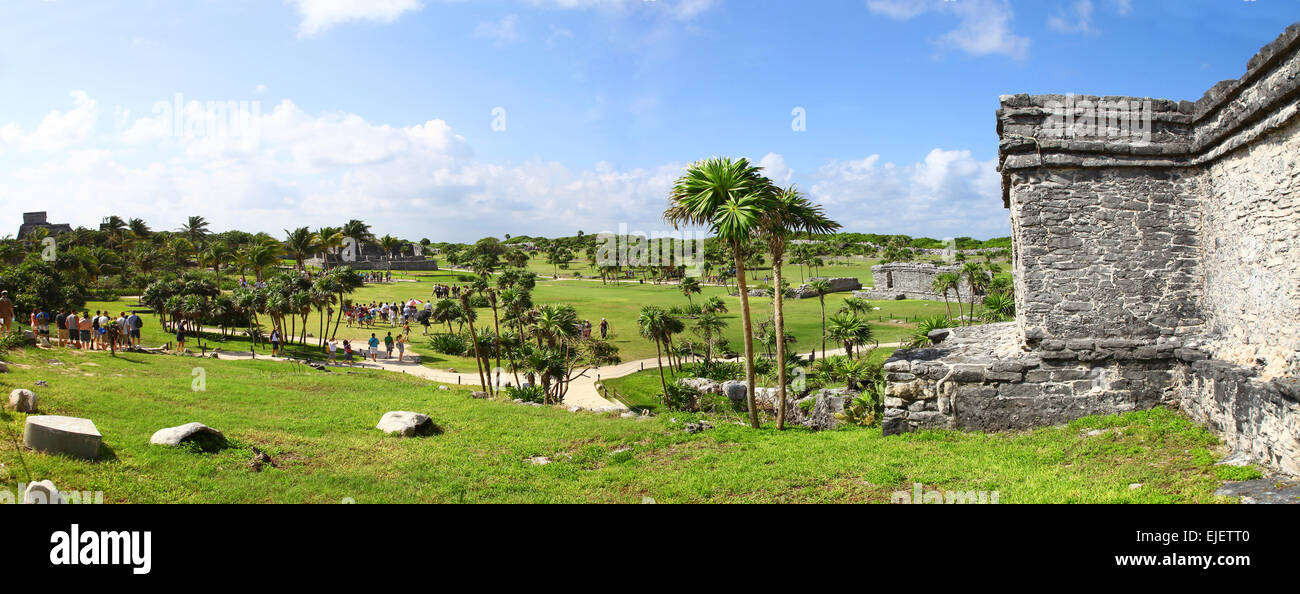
70,436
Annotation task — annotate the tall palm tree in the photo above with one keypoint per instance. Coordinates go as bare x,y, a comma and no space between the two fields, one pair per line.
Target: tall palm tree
195,229
139,229
729,196
328,242
821,287
301,244
216,256
944,282
652,324
790,212
977,279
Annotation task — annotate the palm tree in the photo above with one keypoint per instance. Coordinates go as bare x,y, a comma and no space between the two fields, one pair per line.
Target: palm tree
690,286
849,330
978,279
194,229
821,287
944,282
856,305
300,244
789,213
1000,306
709,327
652,324
328,242
358,231
259,257
216,256
139,229
478,353
729,196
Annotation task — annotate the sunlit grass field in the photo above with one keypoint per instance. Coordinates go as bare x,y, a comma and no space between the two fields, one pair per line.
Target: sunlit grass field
319,428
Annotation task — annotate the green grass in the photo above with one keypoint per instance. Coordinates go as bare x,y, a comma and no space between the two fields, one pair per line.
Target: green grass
620,304
319,427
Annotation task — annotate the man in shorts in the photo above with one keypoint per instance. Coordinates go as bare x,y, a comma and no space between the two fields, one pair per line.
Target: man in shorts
374,348
61,326
134,322
86,327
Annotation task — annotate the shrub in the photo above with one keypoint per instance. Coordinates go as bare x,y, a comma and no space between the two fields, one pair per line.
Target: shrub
450,344
683,397
527,393
926,326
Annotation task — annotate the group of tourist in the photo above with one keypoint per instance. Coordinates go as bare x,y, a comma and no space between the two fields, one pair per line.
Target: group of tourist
446,292
389,341
392,314
86,331
376,276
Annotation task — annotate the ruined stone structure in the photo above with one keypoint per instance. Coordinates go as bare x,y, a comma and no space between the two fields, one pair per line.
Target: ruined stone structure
35,220
1153,269
910,280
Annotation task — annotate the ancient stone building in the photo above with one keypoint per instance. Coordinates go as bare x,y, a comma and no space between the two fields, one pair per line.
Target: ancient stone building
1156,249
912,280
36,220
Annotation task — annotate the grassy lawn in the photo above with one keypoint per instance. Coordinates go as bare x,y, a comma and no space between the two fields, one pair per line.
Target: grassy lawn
620,304
319,428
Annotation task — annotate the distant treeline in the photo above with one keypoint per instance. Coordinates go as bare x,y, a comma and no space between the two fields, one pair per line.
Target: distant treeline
963,243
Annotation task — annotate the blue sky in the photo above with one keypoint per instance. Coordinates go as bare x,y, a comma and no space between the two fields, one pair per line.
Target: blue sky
458,119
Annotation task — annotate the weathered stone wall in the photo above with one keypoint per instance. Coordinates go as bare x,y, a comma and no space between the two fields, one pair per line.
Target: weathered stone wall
1258,418
1106,252
1151,269
912,280
1252,253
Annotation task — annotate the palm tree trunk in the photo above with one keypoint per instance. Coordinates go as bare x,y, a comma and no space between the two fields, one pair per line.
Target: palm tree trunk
478,356
749,338
778,314
659,356
822,299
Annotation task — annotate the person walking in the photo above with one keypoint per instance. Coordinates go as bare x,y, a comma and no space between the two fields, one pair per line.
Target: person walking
401,348
275,341
604,328
180,336
388,346
84,328
374,347
333,348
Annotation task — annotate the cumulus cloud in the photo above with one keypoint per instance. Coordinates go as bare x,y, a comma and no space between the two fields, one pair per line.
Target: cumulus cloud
320,15
424,180
58,130
949,194
984,27
317,169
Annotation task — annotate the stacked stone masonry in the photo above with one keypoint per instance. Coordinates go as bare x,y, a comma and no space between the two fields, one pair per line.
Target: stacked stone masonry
1150,269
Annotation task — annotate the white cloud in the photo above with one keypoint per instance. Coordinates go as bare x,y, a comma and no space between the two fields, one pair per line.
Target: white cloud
949,194
1076,19
58,130
1079,17
984,27
322,169
320,15
502,32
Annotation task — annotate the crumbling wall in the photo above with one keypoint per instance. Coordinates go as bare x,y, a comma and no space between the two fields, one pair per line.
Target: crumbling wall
1155,261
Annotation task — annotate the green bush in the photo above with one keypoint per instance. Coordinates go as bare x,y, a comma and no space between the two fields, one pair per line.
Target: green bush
527,393
450,344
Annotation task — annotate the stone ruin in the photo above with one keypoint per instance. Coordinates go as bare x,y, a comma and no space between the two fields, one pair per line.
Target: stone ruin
912,280
1155,261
